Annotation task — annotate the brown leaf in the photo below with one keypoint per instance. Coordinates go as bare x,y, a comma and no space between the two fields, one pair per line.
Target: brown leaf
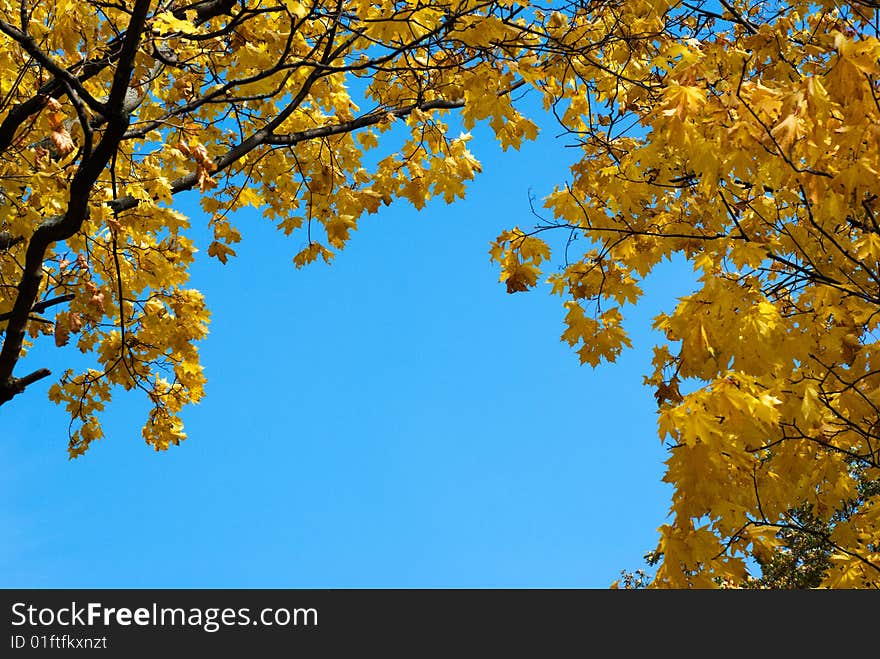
204,179
200,154
668,392
97,301
74,322
62,333
63,143
516,285
41,157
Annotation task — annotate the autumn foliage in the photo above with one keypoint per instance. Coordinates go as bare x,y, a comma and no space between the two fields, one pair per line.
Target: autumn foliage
740,137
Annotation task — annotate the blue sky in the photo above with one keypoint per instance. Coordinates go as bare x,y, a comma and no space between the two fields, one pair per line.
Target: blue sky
393,420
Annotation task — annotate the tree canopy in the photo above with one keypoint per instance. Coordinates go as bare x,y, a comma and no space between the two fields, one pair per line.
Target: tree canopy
110,110
741,137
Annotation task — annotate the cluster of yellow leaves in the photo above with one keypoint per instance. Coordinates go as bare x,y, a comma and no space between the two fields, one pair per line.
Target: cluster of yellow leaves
520,256
747,143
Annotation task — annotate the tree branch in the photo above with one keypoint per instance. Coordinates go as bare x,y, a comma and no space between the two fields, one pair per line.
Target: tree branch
7,240
17,385
40,307
360,122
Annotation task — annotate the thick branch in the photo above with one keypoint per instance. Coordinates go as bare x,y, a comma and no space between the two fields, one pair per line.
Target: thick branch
360,122
40,307
17,385
737,17
7,240
207,9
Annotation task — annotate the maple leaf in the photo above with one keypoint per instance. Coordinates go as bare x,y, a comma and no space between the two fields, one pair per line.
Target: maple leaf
62,332
220,251
787,131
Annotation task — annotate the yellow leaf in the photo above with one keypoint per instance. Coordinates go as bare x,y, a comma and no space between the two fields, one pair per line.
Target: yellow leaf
220,251
167,23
